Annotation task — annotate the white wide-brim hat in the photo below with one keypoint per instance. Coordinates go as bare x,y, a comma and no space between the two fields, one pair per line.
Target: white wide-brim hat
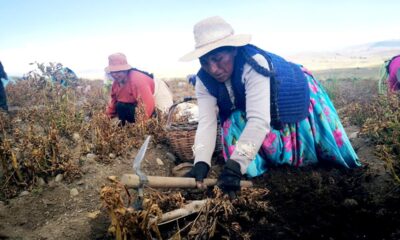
212,33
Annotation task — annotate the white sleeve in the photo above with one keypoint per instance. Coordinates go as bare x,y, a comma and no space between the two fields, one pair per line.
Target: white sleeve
258,115
207,128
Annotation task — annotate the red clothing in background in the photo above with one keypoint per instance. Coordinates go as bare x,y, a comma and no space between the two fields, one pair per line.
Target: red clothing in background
138,85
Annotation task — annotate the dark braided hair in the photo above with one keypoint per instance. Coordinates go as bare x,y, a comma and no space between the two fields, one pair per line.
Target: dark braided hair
274,85
260,69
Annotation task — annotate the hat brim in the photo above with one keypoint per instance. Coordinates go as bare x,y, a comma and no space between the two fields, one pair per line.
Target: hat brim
117,68
234,41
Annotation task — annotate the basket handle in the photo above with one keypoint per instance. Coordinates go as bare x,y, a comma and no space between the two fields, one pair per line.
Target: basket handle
172,109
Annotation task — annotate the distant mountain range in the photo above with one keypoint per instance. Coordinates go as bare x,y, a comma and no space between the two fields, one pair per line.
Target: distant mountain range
385,44
360,56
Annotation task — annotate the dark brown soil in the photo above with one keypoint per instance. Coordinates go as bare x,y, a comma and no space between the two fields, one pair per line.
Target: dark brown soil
319,202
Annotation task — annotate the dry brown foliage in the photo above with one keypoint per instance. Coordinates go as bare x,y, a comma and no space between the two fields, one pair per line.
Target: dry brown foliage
383,127
50,127
219,214
358,103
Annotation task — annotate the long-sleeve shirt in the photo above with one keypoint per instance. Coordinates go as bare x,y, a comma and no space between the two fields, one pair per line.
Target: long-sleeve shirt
137,86
258,116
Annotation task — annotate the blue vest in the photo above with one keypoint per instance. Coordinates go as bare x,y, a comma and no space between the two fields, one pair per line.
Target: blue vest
290,94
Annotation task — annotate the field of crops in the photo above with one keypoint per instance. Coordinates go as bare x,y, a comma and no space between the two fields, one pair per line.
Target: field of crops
62,158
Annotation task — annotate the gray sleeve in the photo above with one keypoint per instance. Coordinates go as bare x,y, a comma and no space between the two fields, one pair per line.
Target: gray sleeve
207,128
258,115
398,75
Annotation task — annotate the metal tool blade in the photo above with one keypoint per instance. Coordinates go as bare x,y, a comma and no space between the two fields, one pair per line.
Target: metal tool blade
142,177
139,158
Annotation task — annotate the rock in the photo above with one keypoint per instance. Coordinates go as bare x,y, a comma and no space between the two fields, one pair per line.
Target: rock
353,135
112,155
350,202
171,156
91,158
94,214
181,169
159,146
17,152
41,182
159,162
2,205
73,192
52,183
59,177
24,193
80,182
76,136
112,178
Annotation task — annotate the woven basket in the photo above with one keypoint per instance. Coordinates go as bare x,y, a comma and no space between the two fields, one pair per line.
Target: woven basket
181,135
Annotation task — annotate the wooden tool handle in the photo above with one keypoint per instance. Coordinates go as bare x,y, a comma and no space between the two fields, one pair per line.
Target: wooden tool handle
132,181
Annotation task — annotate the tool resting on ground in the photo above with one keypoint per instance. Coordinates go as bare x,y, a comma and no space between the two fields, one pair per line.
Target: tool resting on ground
139,179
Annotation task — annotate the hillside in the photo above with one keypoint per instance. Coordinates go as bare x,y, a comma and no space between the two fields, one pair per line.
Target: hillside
370,55
371,73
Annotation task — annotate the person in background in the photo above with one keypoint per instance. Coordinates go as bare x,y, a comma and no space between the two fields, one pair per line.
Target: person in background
272,112
393,70
65,76
191,78
3,96
131,87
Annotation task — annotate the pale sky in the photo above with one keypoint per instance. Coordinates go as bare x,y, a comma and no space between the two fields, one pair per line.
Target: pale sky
154,34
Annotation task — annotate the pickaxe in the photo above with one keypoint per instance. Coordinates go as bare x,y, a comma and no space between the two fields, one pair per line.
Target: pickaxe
139,180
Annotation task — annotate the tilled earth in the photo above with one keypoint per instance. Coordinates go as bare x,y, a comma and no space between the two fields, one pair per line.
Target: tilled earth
320,202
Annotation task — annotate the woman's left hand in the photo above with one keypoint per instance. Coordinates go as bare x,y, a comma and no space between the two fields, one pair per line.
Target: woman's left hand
229,179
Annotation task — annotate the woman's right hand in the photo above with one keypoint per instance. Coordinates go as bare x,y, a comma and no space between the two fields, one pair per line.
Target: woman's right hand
199,172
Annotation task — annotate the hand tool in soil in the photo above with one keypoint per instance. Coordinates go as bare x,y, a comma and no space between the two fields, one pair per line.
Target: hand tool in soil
142,178
139,179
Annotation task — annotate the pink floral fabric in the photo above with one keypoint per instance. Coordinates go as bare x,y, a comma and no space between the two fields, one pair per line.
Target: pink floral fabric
319,137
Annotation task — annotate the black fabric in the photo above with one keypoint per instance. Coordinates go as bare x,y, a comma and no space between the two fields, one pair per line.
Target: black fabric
126,112
199,171
3,96
229,179
3,74
144,72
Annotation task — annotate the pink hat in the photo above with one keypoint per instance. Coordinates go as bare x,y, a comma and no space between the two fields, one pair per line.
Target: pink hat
117,62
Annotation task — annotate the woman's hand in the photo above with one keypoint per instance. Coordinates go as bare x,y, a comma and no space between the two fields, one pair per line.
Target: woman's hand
229,179
199,172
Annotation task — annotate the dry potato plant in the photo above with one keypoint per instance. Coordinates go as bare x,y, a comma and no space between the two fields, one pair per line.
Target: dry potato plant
218,217
104,137
383,127
50,127
358,103
36,143
49,73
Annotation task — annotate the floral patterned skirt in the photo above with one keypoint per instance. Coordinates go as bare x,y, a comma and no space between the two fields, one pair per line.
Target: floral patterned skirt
319,137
